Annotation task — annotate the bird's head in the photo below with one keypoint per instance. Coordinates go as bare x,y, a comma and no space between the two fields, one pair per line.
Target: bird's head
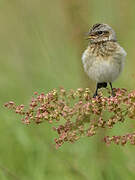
101,33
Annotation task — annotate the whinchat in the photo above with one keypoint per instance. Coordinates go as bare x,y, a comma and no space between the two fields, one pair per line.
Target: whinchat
104,58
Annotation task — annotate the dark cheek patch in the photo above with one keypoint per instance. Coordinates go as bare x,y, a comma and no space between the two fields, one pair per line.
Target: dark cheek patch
107,34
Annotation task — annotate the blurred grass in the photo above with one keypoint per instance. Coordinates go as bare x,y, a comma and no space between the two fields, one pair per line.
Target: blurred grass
41,43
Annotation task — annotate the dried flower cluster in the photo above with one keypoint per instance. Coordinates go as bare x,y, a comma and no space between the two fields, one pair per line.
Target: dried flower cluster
76,113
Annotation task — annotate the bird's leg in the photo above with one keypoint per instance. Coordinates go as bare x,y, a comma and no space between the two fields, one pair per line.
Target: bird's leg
104,84
99,85
113,93
96,92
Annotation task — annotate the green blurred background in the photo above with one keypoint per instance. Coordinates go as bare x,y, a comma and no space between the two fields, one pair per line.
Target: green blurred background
41,43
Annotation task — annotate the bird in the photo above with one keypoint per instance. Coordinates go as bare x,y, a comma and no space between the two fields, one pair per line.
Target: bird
104,59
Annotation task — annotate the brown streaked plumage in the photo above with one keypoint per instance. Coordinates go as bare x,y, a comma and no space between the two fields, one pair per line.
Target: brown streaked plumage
103,49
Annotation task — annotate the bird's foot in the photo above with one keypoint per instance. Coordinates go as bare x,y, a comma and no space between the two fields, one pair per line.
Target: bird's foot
95,95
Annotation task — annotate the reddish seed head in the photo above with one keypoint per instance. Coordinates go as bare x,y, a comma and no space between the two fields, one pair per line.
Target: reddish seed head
78,114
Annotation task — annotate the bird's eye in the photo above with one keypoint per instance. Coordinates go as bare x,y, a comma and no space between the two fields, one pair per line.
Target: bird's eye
100,32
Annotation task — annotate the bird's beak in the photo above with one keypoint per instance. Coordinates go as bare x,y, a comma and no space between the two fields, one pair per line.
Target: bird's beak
90,35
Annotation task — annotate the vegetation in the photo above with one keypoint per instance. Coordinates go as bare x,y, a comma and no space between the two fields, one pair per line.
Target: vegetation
82,115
